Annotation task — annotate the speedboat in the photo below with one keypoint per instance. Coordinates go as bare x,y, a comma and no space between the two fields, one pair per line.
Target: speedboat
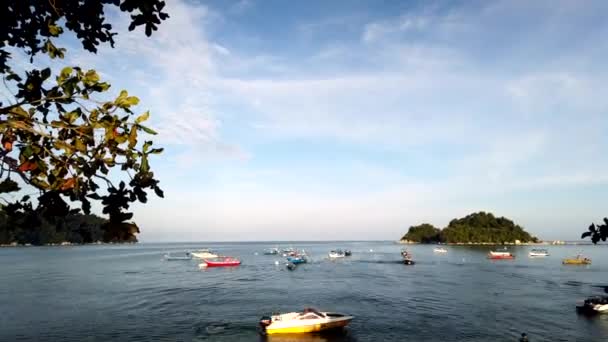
539,253
500,255
221,262
440,250
593,305
579,260
337,254
307,321
271,251
204,254
407,258
170,257
297,259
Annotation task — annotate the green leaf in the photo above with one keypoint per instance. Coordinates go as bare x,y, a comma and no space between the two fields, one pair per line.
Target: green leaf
132,137
80,146
19,111
143,117
147,130
55,30
145,167
45,73
157,150
91,77
147,145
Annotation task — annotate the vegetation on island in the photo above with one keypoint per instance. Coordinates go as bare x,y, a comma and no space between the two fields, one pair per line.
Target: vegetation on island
478,227
597,232
61,133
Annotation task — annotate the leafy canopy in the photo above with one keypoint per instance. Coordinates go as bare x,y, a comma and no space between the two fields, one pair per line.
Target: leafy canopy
597,232
58,134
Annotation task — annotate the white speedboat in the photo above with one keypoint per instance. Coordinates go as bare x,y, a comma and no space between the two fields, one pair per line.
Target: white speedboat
539,253
593,305
204,254
307,321
337,254
440,250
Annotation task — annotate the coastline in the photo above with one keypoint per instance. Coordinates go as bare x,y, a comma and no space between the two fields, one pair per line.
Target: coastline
542,243
66,243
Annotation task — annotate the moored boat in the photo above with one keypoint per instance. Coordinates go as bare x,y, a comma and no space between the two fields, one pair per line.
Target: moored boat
440,250
221,262
307,321
539,253
495,255
337,254
204,254
579,260
271,251
297,259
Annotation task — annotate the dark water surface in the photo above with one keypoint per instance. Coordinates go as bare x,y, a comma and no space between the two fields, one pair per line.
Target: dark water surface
129,293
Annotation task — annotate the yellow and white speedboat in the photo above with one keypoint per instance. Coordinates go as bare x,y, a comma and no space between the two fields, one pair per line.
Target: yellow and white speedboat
307,321
204,254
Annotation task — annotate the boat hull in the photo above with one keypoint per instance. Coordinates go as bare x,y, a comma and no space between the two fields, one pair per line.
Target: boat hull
576,262
211,263
501,257
204,255
309,328
296,260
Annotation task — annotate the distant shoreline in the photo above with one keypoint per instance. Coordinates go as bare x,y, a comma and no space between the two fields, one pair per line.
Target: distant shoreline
543,243
67,243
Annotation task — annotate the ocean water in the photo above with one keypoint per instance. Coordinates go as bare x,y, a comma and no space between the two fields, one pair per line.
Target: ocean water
129,293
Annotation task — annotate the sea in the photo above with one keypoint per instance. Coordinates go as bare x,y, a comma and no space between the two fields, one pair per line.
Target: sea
130,293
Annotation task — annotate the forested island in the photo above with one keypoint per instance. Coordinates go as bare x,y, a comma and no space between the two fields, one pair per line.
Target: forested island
476,228
71,229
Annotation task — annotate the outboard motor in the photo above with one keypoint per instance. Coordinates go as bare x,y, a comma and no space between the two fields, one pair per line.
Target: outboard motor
264,322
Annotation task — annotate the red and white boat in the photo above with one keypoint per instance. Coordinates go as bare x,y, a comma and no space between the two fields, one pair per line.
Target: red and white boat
221,262
500,255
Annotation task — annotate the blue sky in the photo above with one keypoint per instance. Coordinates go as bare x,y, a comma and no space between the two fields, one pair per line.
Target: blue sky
356,119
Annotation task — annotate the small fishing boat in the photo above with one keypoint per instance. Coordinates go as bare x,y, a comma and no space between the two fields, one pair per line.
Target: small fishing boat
593,305
336,254
204,254
440,250
538,253
222,262
407,258
579,260
495,255
307,321
297,259
172,257
271,251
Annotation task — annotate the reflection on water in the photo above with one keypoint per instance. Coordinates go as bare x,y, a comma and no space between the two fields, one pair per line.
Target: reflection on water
130,293
330,336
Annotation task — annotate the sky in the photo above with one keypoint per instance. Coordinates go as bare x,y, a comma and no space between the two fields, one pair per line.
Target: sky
353,120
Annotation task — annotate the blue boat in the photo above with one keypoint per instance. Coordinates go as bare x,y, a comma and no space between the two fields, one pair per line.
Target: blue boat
300,259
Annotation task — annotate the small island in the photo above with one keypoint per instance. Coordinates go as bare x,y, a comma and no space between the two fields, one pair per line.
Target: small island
476,228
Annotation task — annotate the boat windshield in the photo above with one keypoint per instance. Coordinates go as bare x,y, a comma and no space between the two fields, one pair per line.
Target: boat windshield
311,310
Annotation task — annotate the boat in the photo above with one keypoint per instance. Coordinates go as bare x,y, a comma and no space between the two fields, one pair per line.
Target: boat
579,260
221,262
347,252
539,253
297,259
593,305
307,321
495,255
407,258
291,266
204,254
271,251
337,254
170,257
440,250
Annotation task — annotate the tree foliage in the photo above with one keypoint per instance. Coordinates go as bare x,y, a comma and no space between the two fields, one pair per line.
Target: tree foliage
58,134
423,233
478,227
597,232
